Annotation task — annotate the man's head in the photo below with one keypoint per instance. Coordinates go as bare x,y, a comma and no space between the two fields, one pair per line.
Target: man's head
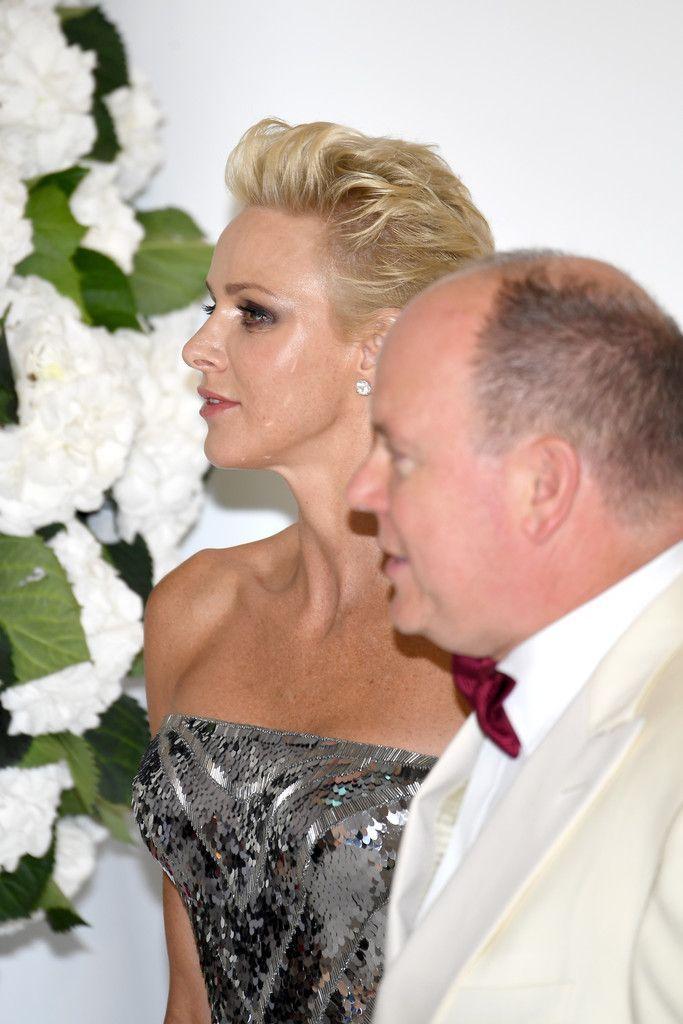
529,452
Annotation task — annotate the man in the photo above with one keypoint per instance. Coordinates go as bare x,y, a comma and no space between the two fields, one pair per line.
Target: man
528,482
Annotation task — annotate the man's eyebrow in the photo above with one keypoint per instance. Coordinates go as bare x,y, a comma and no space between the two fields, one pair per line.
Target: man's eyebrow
238,286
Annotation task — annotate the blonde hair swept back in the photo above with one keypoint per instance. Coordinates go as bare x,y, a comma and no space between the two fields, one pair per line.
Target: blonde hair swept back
398,218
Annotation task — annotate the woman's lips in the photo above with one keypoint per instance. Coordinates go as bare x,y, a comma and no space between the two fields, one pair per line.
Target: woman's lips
209,409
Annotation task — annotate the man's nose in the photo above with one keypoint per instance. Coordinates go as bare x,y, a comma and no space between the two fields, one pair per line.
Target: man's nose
366,491
204,352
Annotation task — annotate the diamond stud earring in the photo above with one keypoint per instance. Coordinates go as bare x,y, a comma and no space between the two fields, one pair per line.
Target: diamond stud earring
363,387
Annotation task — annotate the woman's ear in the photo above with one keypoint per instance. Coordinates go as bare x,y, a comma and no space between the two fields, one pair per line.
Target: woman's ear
372,339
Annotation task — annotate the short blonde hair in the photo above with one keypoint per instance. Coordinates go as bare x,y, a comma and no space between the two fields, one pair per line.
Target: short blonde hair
398,217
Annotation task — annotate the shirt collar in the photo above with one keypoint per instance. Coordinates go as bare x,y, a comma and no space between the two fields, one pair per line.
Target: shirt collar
551,666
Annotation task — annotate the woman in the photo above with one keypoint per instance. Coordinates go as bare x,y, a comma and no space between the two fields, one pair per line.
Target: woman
292,725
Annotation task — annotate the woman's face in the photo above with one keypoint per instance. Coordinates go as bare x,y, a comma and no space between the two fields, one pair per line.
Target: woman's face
271,343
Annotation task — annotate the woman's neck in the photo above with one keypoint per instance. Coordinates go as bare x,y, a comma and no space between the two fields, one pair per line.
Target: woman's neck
336,561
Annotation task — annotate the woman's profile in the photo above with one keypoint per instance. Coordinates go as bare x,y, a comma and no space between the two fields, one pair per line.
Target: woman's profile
291,725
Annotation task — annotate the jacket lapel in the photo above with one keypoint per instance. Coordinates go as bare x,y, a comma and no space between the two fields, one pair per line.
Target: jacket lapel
565,774
427,832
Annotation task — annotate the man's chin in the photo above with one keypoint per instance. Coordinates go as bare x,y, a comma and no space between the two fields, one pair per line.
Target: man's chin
405,616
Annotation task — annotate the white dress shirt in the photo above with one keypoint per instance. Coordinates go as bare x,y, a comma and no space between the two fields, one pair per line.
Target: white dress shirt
550,668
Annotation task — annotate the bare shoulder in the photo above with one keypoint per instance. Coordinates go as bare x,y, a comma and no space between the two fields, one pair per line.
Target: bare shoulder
189,603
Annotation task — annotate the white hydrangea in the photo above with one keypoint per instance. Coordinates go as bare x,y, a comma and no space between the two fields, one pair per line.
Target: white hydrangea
111,612
46,89
137,119
67,701
77,410
16,231
113,227
160,492
29,798
77,839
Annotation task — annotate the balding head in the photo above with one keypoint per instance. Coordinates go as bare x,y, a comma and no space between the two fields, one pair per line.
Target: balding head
530,418
574,346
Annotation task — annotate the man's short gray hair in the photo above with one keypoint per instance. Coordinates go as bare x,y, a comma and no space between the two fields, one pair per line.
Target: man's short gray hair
594,360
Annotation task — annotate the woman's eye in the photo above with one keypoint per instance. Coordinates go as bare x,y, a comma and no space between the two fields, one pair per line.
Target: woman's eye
255,316
208,309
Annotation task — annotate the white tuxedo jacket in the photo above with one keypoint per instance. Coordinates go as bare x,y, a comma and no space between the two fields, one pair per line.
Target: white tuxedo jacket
568,908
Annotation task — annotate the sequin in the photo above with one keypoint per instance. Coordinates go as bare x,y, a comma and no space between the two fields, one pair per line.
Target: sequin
282,847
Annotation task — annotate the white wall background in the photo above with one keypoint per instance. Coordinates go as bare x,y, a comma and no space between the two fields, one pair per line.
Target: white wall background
564,119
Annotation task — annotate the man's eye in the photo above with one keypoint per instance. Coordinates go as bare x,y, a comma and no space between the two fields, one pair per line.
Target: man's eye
400,462
208,309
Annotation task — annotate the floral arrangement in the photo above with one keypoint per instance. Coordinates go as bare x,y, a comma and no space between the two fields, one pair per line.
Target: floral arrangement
101,463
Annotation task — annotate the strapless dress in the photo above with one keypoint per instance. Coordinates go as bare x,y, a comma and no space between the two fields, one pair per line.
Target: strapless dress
282,847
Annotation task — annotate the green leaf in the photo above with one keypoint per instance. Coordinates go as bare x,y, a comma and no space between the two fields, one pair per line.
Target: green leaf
7,676
119,742
70,803
56,233
67,181
59,910
83,767
9,401
133,563
106,144
137,669
12,748
20,890
116,819
60,272
171,263
79,755
47,532
45,749
38,610
106,290
91,30
55,229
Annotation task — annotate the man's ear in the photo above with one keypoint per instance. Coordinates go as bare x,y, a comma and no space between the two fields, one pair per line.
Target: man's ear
373,335
548,475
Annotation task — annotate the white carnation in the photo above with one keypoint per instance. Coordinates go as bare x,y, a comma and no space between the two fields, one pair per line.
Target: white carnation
77,410
113,227
77,839
137,119
46,89
160,492
29,798
16,232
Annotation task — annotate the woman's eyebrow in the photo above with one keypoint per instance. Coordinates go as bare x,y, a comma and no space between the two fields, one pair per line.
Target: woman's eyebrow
233,287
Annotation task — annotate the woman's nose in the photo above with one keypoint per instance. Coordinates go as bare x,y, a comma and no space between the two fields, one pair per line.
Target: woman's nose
202,352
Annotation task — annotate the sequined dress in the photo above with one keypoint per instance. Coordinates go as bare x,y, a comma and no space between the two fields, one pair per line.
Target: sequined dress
282,847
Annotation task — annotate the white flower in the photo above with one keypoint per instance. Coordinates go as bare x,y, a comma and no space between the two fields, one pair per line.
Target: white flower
46,89
111,612
160,492
137,119
74,698
77,410
29,798
16,231
67,701
113,227
77,838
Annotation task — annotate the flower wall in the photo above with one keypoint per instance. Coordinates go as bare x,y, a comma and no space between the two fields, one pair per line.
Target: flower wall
101,462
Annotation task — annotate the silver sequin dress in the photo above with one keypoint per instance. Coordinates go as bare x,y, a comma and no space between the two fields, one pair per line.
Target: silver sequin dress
282,847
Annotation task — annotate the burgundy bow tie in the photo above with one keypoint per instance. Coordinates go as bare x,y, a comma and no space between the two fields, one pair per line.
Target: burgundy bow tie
486,688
